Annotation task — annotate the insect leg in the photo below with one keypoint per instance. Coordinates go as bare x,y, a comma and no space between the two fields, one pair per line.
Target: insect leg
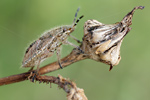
39,60
69,43
58,55
36,71
78,41
31,69
38,65
31,73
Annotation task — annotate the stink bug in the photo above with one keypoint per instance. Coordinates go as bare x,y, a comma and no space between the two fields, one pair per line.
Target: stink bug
48,43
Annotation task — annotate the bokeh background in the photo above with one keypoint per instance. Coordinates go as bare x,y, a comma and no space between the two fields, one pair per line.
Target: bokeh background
23,21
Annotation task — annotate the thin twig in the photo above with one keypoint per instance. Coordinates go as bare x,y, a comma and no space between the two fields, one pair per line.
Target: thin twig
74,56
73,92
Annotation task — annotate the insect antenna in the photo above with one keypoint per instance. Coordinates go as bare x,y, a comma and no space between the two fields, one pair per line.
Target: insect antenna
76,15
76,21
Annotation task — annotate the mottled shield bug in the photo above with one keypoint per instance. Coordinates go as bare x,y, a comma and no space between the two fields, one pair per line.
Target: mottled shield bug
48,43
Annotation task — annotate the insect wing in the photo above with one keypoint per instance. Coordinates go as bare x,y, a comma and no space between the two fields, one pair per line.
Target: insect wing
30,54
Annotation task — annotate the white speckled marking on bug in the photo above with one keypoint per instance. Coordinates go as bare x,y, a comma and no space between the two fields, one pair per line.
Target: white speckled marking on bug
48,43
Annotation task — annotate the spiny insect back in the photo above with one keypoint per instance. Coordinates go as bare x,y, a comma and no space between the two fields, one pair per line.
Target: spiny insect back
104,41
48,43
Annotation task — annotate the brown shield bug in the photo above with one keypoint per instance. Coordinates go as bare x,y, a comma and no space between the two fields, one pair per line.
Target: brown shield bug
48,43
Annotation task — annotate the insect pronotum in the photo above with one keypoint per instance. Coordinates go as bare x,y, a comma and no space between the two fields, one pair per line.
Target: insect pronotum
48,43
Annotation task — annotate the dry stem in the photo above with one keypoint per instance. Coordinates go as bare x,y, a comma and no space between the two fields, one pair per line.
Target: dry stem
73,92
74,56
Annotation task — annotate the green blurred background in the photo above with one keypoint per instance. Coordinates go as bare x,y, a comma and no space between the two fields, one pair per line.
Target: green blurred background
23,21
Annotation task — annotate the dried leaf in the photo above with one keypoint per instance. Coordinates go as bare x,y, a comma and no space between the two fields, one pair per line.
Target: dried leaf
103,42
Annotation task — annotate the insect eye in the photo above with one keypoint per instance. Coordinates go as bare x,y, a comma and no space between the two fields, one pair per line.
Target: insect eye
64,30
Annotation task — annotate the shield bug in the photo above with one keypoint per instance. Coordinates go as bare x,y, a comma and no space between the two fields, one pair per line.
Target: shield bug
48,43
104,41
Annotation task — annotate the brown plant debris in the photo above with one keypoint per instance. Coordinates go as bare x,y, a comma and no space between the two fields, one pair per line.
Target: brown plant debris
102,42
73,92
